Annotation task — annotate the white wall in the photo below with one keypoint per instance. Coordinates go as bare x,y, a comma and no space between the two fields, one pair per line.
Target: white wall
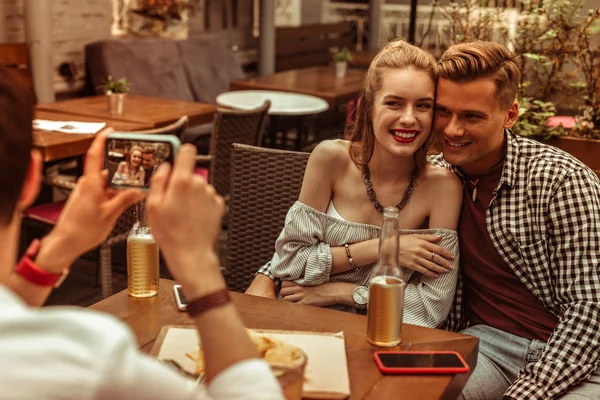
74,23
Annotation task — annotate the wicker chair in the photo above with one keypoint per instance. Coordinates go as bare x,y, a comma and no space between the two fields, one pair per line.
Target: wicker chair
264,185
176,128
46,215
231,126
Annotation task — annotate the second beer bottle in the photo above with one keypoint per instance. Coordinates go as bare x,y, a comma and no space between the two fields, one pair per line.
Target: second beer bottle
386,287
142,258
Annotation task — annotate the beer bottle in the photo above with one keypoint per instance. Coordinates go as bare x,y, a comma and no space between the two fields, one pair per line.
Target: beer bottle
142,257
386,287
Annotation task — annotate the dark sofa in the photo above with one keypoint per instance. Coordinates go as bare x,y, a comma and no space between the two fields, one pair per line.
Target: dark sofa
196,69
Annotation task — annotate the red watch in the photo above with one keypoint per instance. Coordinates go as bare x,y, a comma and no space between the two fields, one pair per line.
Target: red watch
32,273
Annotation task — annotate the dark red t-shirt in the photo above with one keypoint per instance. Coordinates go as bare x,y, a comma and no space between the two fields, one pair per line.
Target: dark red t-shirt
494,295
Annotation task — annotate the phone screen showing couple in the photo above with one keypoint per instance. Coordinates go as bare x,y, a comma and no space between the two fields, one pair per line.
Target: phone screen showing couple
131,163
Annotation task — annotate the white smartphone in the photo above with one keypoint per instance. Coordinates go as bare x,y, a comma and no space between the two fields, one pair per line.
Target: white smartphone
180,298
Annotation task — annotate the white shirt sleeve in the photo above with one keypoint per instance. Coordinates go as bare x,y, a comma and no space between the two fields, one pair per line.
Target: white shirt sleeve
132,374
249,379
59,353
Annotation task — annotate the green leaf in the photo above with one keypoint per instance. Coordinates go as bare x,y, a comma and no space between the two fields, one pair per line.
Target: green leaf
550,34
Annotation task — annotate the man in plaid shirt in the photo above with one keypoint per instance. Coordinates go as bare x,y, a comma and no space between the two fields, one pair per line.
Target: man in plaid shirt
529,238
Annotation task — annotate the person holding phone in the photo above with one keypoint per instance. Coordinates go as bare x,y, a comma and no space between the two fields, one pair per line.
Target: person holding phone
70,353
131,172
330,241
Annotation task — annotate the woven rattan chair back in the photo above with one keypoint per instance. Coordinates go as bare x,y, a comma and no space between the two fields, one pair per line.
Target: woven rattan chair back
176,128
265,183
233,126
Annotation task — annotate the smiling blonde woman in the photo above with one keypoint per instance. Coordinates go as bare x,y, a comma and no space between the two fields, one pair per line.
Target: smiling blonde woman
329,243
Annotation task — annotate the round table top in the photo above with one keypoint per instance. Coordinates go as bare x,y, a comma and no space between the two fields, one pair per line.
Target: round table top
282,103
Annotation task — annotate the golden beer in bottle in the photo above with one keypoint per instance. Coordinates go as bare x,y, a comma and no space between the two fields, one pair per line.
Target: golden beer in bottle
386,287
142,260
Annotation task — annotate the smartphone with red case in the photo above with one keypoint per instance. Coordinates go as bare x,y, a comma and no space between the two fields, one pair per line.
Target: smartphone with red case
420,362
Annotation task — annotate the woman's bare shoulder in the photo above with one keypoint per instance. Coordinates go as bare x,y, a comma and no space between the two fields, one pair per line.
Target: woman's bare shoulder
444,193
331,153
439,178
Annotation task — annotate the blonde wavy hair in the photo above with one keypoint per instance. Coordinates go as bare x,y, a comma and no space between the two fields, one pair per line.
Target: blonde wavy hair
395,55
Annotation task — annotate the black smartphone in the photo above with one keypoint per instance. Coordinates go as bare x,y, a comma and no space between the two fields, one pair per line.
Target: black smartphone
179,298
420,362
132,158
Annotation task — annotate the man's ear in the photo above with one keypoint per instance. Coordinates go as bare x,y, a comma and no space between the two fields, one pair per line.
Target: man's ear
33,181
512,115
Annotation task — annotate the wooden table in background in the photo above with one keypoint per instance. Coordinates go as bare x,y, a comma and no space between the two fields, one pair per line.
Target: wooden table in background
316,81
138,109
58,145
363,58
147,316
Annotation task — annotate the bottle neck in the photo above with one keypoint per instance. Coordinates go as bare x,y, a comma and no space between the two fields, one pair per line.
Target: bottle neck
389,245
141,216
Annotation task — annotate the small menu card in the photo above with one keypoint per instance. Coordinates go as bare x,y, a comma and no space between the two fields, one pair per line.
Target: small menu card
68,126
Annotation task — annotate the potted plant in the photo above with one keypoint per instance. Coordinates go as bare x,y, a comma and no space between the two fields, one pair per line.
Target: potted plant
162,18
115,91
560,62
574,41
341,59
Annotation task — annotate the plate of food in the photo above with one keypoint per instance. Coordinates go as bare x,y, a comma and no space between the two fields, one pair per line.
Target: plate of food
307,364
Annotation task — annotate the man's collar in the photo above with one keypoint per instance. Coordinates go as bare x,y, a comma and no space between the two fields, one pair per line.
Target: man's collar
510,168
511,165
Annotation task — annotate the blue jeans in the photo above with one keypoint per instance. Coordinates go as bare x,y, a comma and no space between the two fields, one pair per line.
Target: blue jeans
501,356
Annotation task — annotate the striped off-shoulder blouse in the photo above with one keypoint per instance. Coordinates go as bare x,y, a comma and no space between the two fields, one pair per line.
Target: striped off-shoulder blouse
303,255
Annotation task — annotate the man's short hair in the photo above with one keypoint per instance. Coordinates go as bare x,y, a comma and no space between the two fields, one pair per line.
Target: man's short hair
467,62
16,140
149,150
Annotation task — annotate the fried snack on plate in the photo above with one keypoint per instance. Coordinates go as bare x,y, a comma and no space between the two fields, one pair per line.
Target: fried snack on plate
197,356
274,351
286,361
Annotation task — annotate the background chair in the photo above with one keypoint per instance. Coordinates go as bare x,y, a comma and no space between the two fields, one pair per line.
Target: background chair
16,56
231,126
264,185
176,128
46,215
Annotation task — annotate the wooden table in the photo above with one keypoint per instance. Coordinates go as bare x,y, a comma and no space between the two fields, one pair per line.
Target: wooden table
57,145
138,109
147,316
363,58
316,81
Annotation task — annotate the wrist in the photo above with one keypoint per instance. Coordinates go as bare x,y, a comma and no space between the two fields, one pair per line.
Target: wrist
342,293
351,262
203,285
55,254
197,274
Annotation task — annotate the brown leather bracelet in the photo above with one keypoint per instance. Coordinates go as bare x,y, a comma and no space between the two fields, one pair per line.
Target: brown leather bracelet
208,302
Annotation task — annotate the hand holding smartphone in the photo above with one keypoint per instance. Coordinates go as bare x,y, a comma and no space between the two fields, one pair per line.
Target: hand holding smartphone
420,362
132,158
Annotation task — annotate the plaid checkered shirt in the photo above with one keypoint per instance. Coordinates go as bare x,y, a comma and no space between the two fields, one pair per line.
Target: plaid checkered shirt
544,220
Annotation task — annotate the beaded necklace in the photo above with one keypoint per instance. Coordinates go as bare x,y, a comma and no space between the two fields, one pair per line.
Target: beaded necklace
366,176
